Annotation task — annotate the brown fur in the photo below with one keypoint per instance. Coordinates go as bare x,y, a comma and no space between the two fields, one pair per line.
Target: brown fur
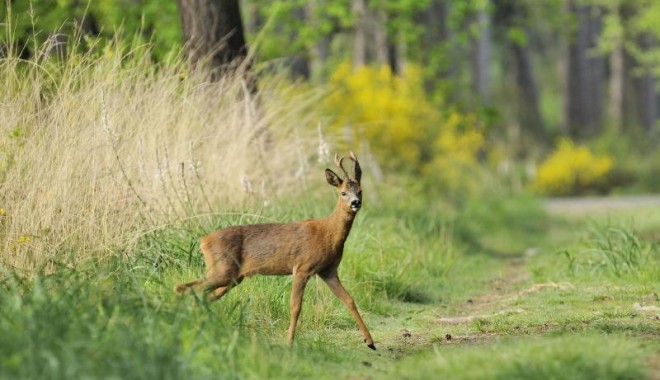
303,249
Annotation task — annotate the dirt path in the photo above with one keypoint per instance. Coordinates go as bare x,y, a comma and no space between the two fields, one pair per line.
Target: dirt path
583,205
503,295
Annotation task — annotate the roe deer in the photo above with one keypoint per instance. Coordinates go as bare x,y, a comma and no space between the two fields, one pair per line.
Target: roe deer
305,248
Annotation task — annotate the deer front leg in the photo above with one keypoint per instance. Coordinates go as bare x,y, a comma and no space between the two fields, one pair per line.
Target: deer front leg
299,283
332,280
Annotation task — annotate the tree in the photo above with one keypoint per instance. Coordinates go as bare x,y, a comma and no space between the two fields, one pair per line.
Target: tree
639,102
585,74
630,35
481,48
213,36
511,19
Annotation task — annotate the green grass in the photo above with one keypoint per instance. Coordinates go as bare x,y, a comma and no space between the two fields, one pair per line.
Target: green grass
120,319
578,356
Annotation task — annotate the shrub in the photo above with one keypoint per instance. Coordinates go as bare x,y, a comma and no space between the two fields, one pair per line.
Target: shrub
387,110
392,114
572,169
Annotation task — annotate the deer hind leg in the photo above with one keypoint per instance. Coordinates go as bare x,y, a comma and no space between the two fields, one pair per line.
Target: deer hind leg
216,294
184,288
220,278
332,280
222,274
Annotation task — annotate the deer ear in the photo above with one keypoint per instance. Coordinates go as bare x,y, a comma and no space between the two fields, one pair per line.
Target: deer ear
332,178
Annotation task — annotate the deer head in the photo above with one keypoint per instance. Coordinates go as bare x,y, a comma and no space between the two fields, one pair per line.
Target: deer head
348,188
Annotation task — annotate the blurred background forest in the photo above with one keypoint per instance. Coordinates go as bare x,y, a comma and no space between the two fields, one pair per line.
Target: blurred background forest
559,97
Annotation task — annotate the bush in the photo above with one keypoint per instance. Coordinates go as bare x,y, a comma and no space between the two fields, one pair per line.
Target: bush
392,114
572,169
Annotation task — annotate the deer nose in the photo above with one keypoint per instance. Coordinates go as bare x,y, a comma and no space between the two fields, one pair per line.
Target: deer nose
356,203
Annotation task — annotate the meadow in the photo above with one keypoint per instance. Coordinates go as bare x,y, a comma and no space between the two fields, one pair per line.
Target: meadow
112,168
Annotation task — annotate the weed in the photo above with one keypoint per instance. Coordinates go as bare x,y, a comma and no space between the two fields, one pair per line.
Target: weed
616,251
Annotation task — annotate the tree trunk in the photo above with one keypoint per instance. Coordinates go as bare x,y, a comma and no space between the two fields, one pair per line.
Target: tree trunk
213,36
639,97
299,65
381,42
396,56
511,15
528,99
481,48
617,78
437,35
584,98
359,8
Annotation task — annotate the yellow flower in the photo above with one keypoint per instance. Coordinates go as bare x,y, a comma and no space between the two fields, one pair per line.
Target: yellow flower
3,212
571,168
24,239
392,113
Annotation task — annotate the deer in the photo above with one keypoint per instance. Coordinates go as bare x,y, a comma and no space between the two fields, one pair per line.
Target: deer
302,249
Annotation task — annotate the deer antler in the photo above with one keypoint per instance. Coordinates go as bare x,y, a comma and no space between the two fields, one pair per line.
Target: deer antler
358,170
338,162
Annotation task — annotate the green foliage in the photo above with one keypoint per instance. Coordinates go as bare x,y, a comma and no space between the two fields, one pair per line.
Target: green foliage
630,24
28,24
293,27
637,161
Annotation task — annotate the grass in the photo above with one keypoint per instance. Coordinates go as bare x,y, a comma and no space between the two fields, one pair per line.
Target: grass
100,147
579,356
113,169
121,319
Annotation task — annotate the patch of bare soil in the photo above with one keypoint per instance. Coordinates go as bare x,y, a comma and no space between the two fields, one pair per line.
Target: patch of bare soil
470,318
498,298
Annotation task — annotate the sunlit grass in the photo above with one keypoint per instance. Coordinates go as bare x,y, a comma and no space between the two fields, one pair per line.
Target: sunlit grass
562,357
100,148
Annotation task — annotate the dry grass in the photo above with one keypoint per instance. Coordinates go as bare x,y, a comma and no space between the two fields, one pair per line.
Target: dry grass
101,146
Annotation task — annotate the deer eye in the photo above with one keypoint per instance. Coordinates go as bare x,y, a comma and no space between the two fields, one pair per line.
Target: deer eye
343,193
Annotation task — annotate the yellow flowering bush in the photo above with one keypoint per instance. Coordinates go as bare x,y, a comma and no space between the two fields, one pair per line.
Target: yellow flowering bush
402,127
456,147
571,169
387,110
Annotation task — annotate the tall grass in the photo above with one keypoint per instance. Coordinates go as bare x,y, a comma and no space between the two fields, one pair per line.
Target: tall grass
616,251
104,145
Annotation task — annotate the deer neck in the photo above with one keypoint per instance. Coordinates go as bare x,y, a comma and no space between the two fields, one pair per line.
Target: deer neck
340,222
